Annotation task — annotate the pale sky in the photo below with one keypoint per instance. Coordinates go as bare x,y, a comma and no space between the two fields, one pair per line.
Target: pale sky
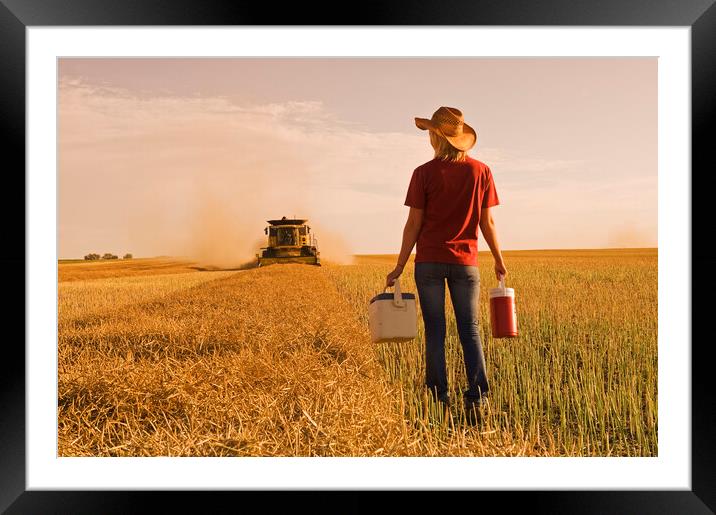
165,156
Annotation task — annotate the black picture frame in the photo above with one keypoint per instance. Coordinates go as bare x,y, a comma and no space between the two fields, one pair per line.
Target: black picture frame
17,15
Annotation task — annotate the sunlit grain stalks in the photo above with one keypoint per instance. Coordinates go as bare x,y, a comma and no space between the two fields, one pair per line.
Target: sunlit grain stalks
278,361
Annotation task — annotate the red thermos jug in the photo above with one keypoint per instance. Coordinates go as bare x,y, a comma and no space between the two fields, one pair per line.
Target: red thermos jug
503,315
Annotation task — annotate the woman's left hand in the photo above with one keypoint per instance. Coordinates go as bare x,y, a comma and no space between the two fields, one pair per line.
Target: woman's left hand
392,276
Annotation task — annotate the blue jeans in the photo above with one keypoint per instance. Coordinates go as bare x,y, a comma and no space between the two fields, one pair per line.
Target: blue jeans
464,284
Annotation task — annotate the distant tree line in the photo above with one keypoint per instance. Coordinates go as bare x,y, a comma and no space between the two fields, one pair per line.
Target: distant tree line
93,256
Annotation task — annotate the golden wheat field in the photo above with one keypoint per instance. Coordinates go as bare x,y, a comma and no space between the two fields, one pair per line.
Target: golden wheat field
159,357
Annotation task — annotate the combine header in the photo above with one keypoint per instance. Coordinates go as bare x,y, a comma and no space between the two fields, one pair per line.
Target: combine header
289,241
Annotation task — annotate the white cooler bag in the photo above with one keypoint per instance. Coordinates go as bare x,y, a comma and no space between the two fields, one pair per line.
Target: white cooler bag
393,316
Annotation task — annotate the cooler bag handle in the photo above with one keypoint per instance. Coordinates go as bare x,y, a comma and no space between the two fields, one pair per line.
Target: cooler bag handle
397,294
502,283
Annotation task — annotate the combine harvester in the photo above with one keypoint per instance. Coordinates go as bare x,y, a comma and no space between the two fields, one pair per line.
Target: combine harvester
289,241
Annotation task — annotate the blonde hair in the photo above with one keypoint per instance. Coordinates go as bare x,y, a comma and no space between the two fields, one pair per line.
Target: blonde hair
444,150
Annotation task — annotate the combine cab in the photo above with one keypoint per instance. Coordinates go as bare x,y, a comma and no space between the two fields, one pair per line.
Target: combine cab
289,241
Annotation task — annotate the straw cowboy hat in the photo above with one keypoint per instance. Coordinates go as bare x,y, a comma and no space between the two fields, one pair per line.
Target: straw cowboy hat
449,122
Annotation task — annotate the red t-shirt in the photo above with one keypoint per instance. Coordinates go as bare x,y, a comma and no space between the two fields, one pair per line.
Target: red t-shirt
451,195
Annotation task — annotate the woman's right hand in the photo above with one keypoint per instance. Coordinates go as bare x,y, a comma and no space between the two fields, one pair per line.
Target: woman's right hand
392,276
500,269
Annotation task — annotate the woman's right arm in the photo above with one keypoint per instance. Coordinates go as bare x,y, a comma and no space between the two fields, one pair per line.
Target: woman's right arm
487,225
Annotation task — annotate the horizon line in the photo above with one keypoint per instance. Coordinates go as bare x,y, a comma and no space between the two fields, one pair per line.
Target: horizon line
397,253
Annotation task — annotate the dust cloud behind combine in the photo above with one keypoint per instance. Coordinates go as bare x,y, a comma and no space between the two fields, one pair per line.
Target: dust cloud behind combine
225,234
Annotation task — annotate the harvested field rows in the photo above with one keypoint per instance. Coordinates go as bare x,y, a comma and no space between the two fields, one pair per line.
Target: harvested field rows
259,362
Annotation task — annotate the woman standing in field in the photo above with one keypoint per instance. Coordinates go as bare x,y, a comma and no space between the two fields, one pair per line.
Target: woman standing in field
449,197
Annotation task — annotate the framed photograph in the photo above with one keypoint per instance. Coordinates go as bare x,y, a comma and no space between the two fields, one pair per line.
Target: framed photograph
218,201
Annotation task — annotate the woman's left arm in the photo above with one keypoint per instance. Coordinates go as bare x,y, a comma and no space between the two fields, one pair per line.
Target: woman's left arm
410,236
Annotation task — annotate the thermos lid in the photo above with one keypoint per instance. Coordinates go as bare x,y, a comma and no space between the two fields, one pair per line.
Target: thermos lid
501,291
